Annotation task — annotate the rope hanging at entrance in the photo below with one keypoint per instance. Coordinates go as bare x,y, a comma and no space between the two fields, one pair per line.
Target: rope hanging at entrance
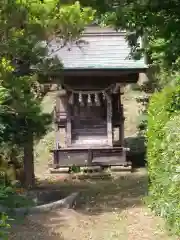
89,99
89,102
71,99
90,95
97,101
81,100
86,92
104,95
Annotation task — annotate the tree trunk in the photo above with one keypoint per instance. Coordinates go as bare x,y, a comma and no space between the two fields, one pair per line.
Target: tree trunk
14,158
29,160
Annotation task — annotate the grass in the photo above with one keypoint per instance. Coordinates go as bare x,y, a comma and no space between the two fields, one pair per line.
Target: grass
43,147
108,209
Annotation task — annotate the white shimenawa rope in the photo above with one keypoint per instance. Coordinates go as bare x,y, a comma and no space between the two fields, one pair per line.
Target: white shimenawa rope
88,92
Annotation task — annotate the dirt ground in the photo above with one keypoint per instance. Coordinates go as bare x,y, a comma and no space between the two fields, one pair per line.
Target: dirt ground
107,209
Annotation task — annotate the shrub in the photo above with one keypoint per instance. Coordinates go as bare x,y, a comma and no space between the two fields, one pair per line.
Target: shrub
142,118
12,197
4,226
142,123
163,154
135,144
137,150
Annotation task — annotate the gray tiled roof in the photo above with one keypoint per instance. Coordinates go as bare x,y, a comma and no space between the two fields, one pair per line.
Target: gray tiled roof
102,48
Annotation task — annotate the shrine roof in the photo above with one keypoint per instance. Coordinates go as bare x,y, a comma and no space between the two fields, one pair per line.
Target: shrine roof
99,48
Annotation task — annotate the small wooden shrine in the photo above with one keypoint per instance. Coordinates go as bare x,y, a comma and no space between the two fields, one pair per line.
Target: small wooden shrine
88,115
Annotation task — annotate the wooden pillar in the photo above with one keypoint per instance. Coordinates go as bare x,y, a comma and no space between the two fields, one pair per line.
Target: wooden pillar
90,157
60,117
56,115
68,127
121,128
118,112
109,119
57,138
56,158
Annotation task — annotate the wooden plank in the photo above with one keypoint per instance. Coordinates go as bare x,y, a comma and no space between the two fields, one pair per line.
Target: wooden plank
59,170
88,157
57,140
73,158
109,119
109,160
56,157
121,127
60,115
121,168
96,175
91,168
121,133
68,126
89,125
119,75
84,148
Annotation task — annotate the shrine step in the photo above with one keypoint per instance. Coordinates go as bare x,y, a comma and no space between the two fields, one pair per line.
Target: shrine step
95,169
89,134
90,131
90,142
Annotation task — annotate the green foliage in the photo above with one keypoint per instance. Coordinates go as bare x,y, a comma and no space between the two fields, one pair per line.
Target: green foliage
163,143
142,118
4,226
142,123
158,22
27,31
135,144
11,199
74,169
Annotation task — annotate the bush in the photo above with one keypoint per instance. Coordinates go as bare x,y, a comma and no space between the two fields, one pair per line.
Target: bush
137,150
4,219
12,197
142,118
135,144
142,123
4,226
163,144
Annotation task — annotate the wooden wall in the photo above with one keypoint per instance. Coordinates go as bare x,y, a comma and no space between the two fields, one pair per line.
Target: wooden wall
114,119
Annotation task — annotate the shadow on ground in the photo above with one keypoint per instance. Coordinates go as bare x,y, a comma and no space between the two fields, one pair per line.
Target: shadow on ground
115,194
30,230
116,191
98,199
137,153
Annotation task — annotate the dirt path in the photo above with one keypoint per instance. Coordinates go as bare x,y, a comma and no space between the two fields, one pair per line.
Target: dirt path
109,209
